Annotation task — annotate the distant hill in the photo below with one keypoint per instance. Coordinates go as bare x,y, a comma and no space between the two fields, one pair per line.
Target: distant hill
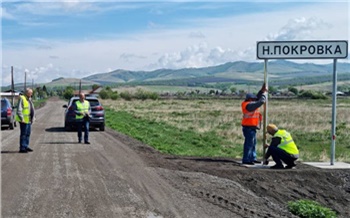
280,71
69,82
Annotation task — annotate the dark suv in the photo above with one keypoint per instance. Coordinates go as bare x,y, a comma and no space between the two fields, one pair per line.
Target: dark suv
7,113
97,118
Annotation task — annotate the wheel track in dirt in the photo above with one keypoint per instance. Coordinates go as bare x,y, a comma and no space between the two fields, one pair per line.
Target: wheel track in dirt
192,183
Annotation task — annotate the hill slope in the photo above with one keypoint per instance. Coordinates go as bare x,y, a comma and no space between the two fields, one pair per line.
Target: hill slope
231,71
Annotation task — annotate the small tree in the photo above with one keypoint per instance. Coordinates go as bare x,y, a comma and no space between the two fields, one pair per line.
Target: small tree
114,95
233,90
68,92
272,89
104,94
95,86
293,89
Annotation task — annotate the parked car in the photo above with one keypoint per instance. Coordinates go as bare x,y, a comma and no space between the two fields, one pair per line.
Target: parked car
7,113
97,116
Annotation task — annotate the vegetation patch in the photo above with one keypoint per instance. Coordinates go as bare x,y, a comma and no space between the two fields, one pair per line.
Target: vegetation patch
167,138
310,209
216,124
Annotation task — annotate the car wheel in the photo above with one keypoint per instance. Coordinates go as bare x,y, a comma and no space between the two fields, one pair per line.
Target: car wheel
102,127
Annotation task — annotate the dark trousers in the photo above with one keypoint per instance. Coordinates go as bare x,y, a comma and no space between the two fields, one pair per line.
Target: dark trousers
279,155
25,129
249,147
86,124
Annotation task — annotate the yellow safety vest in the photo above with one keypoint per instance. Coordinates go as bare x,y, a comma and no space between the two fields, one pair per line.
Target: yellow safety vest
25,111
82,108
287,142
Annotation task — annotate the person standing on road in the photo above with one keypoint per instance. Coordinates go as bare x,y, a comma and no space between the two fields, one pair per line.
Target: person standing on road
82,115
281,148
25,117
251,122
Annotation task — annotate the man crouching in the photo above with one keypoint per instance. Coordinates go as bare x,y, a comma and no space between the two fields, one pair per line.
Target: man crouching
281,148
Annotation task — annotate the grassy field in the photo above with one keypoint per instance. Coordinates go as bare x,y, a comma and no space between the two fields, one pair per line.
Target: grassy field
212,127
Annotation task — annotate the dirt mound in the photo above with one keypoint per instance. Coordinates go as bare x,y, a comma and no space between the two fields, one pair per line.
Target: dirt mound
250,192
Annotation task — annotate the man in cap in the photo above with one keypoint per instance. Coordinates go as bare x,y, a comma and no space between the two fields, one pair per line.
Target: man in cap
251,122
281,148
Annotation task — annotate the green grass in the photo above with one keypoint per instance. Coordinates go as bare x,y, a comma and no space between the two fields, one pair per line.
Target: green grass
213,127
39,103
310,209
167,138
314,144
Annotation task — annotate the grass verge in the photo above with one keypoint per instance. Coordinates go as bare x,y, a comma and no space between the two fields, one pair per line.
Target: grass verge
169,139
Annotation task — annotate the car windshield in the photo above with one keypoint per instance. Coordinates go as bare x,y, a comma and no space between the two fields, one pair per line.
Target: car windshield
93,102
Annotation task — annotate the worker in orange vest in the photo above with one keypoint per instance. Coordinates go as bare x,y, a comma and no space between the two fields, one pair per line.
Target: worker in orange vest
251,122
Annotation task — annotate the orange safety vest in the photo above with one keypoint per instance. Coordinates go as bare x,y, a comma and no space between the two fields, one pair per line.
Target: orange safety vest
251,118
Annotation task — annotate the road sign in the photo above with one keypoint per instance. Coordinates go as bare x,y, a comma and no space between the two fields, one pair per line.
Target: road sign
302,49
306,50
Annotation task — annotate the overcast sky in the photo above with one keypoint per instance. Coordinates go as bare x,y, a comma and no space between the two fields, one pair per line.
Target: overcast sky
76,38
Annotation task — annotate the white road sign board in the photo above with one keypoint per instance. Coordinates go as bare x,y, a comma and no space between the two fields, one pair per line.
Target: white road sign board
302,49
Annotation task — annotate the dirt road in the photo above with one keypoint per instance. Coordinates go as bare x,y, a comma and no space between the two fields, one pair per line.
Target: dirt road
116,176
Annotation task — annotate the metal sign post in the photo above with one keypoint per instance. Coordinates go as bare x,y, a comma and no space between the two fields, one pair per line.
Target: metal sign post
306,50
334,110
265,111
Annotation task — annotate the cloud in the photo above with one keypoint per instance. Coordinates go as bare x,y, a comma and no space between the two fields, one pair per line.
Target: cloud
7,15
201,55
199,41
298,29
128,57
197,34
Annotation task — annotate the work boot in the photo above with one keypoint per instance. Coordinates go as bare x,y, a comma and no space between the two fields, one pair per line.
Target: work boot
290,166
277,167
29,149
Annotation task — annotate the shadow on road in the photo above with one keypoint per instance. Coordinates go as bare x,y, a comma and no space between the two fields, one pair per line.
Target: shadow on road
55,129
59,143
10,152
6,128
62,129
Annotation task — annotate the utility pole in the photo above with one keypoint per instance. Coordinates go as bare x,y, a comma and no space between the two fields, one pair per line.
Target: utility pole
25,81
12,87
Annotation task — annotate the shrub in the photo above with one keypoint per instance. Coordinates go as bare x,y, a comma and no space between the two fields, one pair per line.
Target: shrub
153,96
310,209
68,93
293,89
143,95
126,95
104,94
140,94
114,95
312,95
